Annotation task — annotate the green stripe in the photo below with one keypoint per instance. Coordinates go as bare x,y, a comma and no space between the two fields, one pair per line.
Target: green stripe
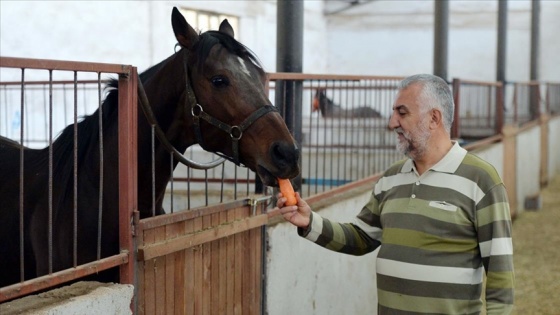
423,208
473,160
500,280
496,212
427,305
428,241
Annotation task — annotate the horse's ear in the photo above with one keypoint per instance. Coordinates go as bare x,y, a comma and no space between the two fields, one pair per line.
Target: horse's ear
185,34
226,28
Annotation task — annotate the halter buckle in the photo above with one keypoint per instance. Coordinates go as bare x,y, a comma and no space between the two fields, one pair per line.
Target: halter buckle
196,110
235,130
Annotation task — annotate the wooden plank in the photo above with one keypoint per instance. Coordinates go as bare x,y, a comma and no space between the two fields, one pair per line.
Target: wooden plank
215,253
261,257
140,274
206,269
230,266
248,271
238,270
159,273
180,289
198,271
149,251
160,220
222,269
149,277
170,284
189,271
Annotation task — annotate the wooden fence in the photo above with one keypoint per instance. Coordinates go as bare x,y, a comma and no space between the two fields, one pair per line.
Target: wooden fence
205,261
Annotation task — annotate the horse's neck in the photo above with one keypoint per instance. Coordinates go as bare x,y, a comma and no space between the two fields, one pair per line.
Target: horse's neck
329,108
166,95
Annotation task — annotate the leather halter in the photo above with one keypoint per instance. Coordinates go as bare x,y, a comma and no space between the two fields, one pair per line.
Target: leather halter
235,132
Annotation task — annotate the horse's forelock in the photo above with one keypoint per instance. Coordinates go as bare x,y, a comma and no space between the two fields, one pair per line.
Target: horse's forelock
209,39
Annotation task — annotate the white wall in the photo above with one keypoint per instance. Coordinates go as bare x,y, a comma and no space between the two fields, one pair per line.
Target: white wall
396,38
528,159
553,147
378,38
303,278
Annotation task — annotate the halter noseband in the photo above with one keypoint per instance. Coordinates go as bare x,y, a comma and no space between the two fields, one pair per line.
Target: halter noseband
235,132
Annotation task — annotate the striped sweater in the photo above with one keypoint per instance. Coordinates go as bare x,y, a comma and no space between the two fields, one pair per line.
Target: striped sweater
441,232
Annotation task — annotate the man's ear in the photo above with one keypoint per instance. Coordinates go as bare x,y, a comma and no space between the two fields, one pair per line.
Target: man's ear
436,119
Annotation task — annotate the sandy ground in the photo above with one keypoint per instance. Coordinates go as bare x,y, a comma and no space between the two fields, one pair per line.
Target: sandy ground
536,246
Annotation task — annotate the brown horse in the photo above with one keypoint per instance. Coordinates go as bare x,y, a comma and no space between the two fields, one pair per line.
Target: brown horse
211,91
329,109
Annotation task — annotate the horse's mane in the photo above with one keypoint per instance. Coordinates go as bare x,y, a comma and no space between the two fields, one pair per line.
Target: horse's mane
88,128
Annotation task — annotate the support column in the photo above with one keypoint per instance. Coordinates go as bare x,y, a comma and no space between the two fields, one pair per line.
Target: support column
289,58
441,29
534,72
502,42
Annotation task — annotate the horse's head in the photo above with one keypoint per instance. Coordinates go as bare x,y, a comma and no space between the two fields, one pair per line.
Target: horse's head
319,98
231,104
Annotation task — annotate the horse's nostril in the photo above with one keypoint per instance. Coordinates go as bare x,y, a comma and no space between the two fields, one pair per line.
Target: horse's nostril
284,154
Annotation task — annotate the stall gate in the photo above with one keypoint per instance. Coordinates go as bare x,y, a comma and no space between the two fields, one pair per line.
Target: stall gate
203,261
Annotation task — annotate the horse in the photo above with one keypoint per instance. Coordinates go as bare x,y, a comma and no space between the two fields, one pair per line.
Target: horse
211,91
329,109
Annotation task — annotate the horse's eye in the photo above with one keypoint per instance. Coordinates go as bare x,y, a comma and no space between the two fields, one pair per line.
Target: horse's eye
220,81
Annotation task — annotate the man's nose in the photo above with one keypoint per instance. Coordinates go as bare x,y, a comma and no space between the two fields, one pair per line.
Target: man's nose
393,122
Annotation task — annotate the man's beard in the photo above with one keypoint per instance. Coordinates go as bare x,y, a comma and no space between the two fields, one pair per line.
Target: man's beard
415,143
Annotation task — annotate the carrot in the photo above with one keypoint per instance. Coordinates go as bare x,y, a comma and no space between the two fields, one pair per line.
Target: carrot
287,191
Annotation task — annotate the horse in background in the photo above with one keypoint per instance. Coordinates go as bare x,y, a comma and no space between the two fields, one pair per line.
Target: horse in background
329,109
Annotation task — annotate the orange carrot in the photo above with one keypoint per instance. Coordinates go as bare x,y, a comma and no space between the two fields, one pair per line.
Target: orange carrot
287,191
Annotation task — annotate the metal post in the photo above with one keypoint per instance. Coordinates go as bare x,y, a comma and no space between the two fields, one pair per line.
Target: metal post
289,58
535,41
441,30
502,41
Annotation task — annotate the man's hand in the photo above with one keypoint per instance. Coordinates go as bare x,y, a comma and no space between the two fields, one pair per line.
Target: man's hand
299,215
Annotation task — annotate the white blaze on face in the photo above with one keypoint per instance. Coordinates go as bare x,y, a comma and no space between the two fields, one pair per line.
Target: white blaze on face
243,66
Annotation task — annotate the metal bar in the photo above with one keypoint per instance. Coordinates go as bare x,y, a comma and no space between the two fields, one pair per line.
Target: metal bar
441,30
325,77
128,171
75,186
58,82
46,64
502,41
171,179
59,277
50,214
21,182
153,167
101,168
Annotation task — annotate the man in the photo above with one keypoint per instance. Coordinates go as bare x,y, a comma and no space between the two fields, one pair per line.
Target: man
441,217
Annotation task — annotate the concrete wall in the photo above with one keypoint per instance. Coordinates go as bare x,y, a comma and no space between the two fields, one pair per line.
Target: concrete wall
528,166
553,147
84,298
303,278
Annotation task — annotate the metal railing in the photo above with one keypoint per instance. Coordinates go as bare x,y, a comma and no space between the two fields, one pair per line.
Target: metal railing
19,101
